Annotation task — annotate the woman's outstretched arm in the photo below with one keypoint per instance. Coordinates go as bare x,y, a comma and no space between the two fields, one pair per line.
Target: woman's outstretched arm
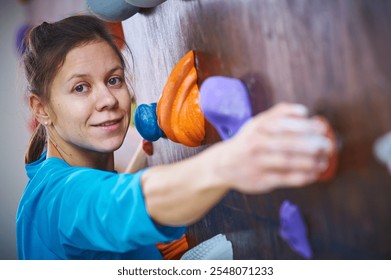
281,147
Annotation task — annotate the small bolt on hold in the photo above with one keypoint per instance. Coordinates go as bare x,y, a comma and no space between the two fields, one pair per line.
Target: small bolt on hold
382,150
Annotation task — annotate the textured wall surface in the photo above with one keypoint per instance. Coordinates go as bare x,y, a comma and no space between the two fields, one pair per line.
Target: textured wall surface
333,56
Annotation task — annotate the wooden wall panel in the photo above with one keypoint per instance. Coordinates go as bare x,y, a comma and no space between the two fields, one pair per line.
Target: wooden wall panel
333,56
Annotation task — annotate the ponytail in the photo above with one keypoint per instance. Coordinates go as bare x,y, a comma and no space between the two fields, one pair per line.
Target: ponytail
36,145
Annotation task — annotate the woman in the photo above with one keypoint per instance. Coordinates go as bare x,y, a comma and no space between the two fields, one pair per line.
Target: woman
76,206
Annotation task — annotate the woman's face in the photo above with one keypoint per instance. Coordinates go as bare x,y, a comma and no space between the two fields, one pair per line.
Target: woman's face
89,100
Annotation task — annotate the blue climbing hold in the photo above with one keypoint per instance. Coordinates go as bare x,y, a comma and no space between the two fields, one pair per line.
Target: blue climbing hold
113,10
146,122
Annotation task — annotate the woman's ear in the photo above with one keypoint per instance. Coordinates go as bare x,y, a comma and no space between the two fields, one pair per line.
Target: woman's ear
39,110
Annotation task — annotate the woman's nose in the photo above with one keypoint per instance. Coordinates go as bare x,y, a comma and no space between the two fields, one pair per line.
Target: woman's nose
105,99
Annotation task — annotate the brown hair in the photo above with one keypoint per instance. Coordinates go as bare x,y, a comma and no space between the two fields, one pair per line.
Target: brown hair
47,46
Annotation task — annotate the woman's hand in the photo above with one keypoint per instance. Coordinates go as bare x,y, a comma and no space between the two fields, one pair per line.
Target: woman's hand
281,147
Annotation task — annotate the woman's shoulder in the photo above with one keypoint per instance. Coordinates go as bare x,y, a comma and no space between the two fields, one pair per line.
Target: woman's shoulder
58,174
45,163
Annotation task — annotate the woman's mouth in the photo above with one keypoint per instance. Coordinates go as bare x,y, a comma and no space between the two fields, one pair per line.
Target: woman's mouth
110,125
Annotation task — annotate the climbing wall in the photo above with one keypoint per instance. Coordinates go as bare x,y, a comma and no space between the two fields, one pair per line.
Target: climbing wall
333,56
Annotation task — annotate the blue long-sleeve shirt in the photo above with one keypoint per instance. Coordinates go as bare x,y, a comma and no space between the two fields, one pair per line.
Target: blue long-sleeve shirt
82,213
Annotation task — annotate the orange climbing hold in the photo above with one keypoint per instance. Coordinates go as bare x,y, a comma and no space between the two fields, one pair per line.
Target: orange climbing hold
173,250
178,110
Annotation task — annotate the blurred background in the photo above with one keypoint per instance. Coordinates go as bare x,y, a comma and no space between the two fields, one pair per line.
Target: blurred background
332,56
16,16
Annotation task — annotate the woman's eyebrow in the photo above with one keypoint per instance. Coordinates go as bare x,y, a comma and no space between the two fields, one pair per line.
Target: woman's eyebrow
77,76
80,75
115,69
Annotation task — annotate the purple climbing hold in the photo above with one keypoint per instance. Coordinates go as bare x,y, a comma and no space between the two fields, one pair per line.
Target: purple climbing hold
225,104
293,229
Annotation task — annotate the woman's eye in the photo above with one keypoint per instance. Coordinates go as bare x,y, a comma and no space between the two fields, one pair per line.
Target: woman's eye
115,81
81,88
